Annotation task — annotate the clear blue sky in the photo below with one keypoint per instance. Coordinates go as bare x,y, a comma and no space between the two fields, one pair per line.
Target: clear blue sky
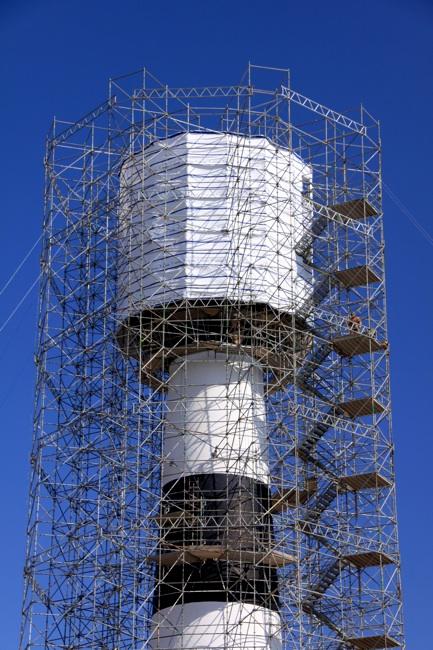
56,58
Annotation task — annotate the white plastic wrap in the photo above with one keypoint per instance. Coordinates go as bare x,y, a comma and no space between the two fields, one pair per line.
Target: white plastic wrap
212,216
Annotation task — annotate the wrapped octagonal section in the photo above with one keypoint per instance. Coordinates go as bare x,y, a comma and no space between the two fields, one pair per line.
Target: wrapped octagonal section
213,216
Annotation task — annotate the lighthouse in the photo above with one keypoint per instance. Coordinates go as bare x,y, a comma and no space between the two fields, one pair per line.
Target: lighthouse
209,223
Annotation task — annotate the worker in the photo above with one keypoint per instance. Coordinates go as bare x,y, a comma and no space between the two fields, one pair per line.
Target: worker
354,322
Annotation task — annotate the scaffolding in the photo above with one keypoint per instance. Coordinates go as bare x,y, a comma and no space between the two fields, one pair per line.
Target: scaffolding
109,546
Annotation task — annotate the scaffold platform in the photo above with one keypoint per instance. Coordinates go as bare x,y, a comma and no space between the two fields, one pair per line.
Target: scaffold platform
368,559
355,209
367,481
378,642
357,276
351,345
355,408
193,554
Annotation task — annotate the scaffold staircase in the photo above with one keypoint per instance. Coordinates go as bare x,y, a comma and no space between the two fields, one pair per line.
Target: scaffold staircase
320,504
313,362
314,435
326,579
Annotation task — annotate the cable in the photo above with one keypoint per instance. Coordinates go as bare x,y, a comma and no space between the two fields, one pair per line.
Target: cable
408,214
20,265
18,305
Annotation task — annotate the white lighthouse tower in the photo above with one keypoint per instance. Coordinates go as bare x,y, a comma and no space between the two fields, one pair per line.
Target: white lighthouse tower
209,225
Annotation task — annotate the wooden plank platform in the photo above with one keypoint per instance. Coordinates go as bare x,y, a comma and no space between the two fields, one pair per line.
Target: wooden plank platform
357,276
353,344
194,554
355,209
363,406
373,642
291,498
367,481
368,559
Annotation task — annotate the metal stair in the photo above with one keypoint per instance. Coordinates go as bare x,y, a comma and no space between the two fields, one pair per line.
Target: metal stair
308,444
306,242
357,209
315,434
320,290
321,503
308,608
326,579
312,363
